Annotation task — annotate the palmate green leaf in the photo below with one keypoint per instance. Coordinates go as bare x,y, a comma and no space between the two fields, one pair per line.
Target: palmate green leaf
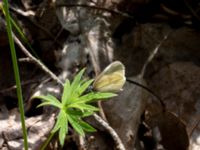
49,100
73,120
84,86
61,120
66,92
73,107
74,112
76,84
86,127
46,103
83,107
94,96
62,133
87,113
77,80
62,126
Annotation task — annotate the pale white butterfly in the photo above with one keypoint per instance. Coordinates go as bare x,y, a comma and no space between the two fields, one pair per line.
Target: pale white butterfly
111,79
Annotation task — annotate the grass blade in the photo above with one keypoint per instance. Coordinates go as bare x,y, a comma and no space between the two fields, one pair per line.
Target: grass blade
16,72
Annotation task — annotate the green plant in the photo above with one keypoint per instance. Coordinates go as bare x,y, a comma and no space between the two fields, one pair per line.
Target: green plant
18,30
74,106
5,7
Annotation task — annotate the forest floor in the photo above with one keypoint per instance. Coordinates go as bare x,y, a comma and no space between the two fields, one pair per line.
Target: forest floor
157,41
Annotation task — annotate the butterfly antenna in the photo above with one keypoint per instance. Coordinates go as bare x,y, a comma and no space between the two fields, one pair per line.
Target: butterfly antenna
150,91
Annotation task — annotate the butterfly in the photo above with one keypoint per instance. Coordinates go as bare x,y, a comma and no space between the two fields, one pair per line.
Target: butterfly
111,79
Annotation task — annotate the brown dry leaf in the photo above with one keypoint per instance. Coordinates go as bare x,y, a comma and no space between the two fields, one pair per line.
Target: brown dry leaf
171,131
11,131
124,112
178,86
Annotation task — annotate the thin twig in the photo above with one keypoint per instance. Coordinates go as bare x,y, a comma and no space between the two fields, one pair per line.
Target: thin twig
96,7
28,13
36,61
116,138
81,143
27,59
149,59
191,10
97,70
22,13
153,53
96,66
14,86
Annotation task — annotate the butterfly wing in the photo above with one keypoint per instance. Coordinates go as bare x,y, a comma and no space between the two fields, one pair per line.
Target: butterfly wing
111,79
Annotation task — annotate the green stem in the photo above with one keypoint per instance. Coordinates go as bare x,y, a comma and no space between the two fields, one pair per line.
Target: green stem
16,72
47,141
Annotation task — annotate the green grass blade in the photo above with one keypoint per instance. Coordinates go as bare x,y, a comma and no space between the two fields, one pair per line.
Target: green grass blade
20,32
16,72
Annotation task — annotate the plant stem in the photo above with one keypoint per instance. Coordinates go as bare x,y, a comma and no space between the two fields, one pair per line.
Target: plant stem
16,73
47,141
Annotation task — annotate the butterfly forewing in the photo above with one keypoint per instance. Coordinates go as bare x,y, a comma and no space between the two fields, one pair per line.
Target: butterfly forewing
111,79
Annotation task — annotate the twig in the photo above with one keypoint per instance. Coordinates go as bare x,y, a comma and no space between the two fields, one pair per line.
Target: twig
149,59
175,13
27,59
152,55
36,61
98,8
191,10
81,143
97,70
14,86
28,13
117,140
96,66
22,13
